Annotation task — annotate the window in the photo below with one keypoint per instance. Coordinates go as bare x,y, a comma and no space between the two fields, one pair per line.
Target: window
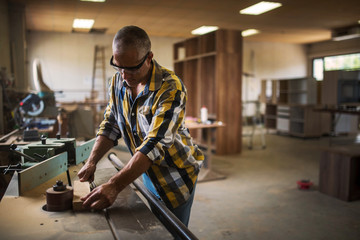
331,63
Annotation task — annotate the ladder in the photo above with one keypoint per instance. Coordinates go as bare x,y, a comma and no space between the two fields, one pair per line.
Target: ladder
256,123
99,65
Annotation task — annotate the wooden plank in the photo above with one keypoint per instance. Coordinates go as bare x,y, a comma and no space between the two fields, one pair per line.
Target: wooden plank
80,189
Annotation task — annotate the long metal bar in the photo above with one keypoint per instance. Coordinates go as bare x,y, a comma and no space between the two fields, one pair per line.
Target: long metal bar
3,138
169,217
24,155
112,225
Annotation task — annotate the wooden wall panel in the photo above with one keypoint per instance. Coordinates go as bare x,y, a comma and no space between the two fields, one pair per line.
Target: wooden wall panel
229,107
229,82
191,84
207,81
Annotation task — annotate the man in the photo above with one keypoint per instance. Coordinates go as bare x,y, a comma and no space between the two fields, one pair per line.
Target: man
147,109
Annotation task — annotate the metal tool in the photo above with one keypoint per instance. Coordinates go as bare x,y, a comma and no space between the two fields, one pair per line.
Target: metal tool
32,105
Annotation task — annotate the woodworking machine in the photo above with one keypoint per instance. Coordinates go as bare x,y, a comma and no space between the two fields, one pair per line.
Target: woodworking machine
54,163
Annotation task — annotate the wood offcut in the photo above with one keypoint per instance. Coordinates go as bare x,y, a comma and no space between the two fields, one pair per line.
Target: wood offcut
80,189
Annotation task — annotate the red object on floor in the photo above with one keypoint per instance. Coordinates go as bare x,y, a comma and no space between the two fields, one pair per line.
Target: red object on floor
304,184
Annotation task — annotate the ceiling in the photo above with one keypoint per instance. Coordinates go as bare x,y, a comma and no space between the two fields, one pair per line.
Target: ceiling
297,21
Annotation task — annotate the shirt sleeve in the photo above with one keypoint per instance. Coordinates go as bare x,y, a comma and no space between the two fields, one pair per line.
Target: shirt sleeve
109,127
169,114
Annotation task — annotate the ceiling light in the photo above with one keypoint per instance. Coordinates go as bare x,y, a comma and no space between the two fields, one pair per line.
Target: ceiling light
260,8
92,0
83,23
249,32
204,29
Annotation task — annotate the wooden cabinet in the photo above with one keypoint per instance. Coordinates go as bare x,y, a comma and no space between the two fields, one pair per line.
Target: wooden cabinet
295,120
290,106
270,116
340,87
340,173
304,121
297,91
211,69
283,118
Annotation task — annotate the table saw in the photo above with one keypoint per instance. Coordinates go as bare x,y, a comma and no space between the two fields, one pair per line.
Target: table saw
23,215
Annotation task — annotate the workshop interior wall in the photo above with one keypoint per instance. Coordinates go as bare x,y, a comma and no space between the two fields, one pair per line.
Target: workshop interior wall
4,36
270,60
67,60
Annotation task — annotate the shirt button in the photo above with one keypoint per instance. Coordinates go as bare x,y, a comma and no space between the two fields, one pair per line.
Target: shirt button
132,114
134,133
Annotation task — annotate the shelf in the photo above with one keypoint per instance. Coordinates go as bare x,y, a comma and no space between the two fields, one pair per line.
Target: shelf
195,57
296,120
203,63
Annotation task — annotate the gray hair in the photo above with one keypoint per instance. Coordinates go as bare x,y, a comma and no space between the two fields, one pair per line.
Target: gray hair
132,37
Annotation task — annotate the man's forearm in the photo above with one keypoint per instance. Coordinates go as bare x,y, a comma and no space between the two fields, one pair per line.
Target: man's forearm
137,165
102,145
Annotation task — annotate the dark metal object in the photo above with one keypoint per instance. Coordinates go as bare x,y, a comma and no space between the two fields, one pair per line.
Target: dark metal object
111,225
68,176
9,168
59,186
12,149
169,218
43,139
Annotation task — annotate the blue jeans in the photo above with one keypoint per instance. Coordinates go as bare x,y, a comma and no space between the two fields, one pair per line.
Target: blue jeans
183,211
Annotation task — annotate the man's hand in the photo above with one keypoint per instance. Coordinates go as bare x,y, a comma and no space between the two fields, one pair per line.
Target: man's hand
101,197
86,173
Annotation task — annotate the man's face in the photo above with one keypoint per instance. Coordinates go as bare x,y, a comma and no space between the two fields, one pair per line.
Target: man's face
133,65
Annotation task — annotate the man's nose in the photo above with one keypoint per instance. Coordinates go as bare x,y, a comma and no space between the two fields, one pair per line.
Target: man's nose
125,74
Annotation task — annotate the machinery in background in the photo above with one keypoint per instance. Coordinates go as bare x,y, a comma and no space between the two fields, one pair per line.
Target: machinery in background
39,161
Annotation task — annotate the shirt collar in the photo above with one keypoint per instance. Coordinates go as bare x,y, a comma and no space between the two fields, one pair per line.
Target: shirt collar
156,78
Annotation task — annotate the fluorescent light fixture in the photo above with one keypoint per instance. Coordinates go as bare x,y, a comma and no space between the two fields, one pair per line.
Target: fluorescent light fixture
92,0
83,23
346,37
249,32
260,8
204,29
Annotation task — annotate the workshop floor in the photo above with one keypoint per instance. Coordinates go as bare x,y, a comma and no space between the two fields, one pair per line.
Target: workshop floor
259,199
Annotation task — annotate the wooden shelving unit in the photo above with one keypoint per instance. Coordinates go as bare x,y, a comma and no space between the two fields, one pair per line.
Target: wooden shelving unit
283,118
211,69
292,101
304,121
270,116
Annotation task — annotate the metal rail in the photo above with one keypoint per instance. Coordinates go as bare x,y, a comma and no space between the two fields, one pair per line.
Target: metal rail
171,220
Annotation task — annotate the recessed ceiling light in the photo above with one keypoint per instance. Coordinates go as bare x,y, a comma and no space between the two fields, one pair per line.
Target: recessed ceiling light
249,32
92,0
83,23
204,29
260,8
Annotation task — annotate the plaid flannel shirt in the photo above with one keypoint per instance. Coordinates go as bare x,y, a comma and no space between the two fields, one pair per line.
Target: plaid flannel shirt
153,124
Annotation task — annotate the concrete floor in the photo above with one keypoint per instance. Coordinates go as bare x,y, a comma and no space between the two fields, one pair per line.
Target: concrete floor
259,199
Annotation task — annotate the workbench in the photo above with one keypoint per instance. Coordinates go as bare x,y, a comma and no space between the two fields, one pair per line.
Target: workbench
23,217
206,172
